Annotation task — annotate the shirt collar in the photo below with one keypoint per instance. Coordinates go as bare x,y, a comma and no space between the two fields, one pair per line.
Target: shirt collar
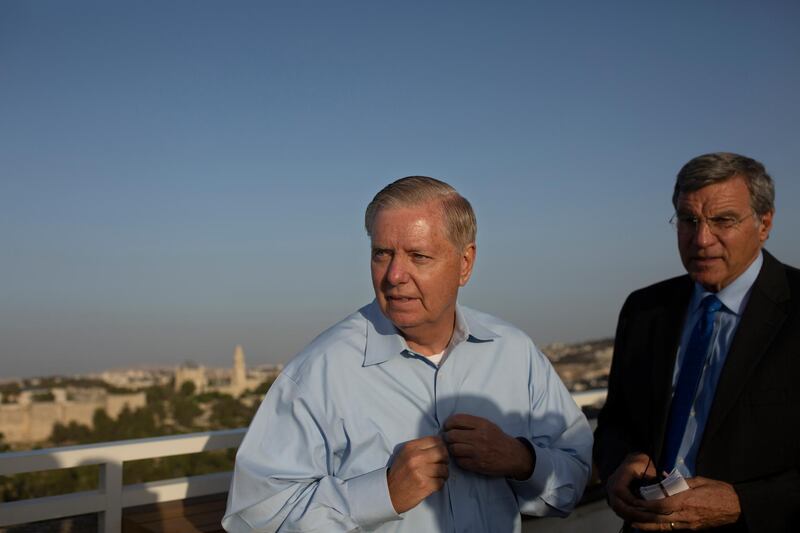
384,340
734,297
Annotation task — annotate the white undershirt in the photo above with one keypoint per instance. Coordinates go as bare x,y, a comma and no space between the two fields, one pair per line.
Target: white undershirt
435,358
459,335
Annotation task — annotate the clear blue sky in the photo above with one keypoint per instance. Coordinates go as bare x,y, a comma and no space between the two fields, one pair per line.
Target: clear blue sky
180,177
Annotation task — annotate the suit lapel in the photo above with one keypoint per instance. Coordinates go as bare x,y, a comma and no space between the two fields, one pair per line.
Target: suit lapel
666,337
761,320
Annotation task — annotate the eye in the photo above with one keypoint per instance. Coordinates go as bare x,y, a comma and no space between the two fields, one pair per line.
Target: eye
724,222
420,258
379,254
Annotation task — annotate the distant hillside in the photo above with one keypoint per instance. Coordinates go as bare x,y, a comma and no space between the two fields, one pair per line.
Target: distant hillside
582,365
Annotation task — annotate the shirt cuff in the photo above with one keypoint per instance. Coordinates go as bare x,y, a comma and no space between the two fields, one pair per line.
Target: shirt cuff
541,469
539,485
370,503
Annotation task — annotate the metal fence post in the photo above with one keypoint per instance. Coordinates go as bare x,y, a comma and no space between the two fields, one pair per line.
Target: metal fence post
110,520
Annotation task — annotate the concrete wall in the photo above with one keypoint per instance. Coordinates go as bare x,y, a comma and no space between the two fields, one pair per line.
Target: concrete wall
33,422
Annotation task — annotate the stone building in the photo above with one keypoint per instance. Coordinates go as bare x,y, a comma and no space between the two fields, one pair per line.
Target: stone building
233,381
32,421
193,373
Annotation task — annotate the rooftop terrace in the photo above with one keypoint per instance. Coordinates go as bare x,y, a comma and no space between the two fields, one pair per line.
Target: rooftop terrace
184,504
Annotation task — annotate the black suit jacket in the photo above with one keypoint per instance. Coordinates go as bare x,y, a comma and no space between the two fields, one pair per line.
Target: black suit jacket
752,437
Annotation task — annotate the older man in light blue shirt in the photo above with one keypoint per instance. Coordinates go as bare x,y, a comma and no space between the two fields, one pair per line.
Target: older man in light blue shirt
413,414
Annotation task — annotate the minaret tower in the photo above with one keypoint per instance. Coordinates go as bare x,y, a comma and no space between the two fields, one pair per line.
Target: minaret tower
239,376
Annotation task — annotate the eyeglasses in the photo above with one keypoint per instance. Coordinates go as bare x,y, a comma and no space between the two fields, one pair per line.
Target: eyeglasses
716,224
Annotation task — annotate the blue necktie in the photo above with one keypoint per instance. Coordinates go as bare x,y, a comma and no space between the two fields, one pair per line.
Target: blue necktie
686,388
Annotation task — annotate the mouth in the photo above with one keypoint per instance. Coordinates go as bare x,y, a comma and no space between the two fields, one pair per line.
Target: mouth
704,261
400,300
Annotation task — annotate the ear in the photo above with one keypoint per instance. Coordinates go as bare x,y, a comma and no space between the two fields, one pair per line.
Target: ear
766,226
467,261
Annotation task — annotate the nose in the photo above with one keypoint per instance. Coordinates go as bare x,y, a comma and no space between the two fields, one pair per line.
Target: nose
703,236
396,273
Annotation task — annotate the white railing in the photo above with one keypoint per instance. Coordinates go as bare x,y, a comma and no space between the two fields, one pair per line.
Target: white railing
595,397
112,496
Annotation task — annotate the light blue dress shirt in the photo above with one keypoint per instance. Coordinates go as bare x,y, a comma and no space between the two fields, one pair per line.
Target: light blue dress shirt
734,298
316,454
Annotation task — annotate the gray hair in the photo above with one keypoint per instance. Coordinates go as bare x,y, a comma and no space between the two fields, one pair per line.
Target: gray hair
414,191
717,167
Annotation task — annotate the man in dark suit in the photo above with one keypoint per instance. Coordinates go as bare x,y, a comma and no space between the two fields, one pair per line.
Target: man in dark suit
705,378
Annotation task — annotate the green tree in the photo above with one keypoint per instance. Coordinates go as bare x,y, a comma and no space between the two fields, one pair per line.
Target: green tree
262,389
211,396
185,410
230,413
72,433
10,390
136,424
188,388
104,429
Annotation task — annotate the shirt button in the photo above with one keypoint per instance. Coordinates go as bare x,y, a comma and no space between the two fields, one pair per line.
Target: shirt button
680,461
691,413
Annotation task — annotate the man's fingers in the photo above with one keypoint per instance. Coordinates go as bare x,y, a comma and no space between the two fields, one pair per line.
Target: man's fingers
663,507
440,470
632,513
426,450
663,525
432,470
655,512
463,421
424,443
629,506
458,435
461,450
624,495
438,454
698,481
621,500
420,469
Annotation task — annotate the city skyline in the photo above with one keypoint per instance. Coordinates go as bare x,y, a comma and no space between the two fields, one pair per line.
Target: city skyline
180,178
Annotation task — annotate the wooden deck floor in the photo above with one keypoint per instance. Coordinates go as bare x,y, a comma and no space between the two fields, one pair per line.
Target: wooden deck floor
204,514
194,515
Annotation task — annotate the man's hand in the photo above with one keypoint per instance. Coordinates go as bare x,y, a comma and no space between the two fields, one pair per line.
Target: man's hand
480,446
707,503
419,470
636,466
